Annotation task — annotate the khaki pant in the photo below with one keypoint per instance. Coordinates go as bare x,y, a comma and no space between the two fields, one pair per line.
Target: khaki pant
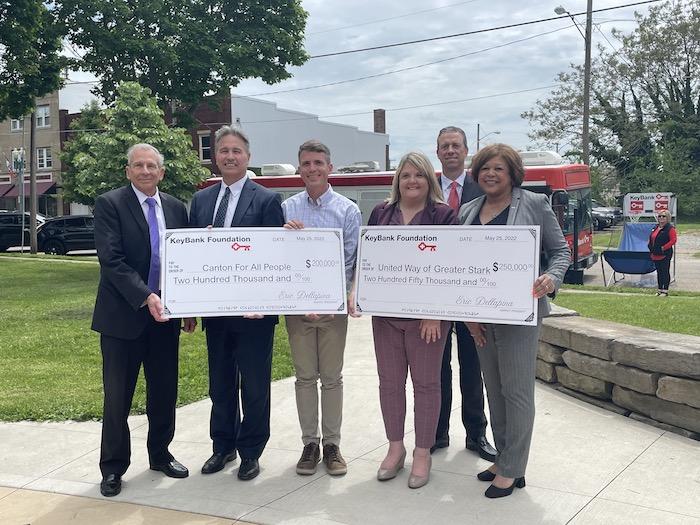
317,352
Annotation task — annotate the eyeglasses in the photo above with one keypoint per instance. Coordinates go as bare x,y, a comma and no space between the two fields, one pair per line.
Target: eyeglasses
147,165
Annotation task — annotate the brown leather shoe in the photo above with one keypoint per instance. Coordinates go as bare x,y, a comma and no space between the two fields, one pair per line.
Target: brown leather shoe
310,457
335,464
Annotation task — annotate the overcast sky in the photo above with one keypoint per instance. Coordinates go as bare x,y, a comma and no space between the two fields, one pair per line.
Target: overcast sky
338,25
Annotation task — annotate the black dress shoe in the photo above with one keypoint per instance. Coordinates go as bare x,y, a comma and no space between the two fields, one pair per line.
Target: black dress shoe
495,492
249,469
217,461
440,442
486,475
483,447
172,469
111,485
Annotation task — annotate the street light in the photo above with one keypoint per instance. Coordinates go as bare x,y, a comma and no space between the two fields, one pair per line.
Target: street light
585,134
479,138
18,167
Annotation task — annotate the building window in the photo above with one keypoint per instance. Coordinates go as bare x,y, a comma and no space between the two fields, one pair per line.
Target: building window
43,117
43,159
17,124
205,147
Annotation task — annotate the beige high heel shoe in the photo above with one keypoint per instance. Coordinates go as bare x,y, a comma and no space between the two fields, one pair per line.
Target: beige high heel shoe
384,474
416,482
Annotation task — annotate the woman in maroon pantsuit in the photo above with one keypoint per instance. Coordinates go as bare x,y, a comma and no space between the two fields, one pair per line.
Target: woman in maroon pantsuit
415,344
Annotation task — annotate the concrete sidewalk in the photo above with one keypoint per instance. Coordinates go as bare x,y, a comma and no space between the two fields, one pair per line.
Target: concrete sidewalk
587,466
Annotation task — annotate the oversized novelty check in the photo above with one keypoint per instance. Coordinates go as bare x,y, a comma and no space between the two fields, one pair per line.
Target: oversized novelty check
237,271
462,273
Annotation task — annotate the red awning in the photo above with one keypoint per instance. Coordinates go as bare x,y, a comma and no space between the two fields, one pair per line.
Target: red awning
41,188
4,188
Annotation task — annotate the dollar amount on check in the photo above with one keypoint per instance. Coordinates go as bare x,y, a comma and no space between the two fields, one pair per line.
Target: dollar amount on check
461,273
238,271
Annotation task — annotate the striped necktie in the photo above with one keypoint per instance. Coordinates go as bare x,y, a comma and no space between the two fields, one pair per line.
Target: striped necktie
221,211
154,235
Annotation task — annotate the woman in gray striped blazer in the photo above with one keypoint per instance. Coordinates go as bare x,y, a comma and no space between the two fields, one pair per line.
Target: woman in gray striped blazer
507,352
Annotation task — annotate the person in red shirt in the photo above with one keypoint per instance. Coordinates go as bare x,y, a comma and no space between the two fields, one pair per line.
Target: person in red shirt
661,241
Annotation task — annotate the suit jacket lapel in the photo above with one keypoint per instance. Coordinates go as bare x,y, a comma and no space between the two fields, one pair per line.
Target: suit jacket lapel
470,189
132,202
208,204
474,208
514,206
244,200
167,211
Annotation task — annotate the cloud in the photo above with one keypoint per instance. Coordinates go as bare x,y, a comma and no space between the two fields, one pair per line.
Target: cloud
520,66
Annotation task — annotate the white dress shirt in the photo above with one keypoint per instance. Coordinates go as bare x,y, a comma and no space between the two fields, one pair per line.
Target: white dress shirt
235,194
447,185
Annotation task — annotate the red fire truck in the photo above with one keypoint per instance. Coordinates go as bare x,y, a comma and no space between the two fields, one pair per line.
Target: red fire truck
568,187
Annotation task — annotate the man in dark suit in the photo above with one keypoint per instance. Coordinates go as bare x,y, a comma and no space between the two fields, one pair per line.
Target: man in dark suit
237,345
129,222
458,188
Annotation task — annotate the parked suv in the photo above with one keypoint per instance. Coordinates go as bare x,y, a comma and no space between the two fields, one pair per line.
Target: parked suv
64,234
605,216
11,227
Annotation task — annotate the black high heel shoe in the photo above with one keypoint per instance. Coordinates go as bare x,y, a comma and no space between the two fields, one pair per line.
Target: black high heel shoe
495,492
486,475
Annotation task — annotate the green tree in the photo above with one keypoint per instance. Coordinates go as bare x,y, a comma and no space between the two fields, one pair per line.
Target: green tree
30,64
645,108
97,159
76,156
185,49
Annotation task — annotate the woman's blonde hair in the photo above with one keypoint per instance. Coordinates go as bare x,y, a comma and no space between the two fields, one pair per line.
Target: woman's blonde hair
425,168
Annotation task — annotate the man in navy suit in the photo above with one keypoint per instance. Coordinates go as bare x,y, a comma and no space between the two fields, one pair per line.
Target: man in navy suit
237,346
129,222
458,188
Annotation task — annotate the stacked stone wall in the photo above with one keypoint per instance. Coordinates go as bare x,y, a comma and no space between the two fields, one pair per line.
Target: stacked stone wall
644,374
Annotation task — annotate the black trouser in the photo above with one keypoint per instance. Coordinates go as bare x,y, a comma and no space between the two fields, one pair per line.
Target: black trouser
240,358
663,273
157,349
470,384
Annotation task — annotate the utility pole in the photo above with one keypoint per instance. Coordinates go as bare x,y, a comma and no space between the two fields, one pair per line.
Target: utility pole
585,138
585,135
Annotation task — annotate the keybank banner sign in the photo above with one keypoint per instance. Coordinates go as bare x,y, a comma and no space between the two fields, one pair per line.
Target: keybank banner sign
638,205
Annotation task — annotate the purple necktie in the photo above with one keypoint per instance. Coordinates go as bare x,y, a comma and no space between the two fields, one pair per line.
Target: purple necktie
154,269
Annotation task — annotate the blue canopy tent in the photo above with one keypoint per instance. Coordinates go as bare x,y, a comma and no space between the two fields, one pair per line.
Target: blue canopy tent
632,255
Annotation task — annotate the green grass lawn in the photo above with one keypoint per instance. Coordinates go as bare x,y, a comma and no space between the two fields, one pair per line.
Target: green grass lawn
677,313
26,254
51,364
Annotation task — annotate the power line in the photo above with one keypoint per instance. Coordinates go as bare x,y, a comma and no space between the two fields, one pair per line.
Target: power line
370,22
401,70
476,32
403,108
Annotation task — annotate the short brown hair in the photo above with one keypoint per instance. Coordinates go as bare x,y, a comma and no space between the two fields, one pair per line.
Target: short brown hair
516,170
315,146
453,129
